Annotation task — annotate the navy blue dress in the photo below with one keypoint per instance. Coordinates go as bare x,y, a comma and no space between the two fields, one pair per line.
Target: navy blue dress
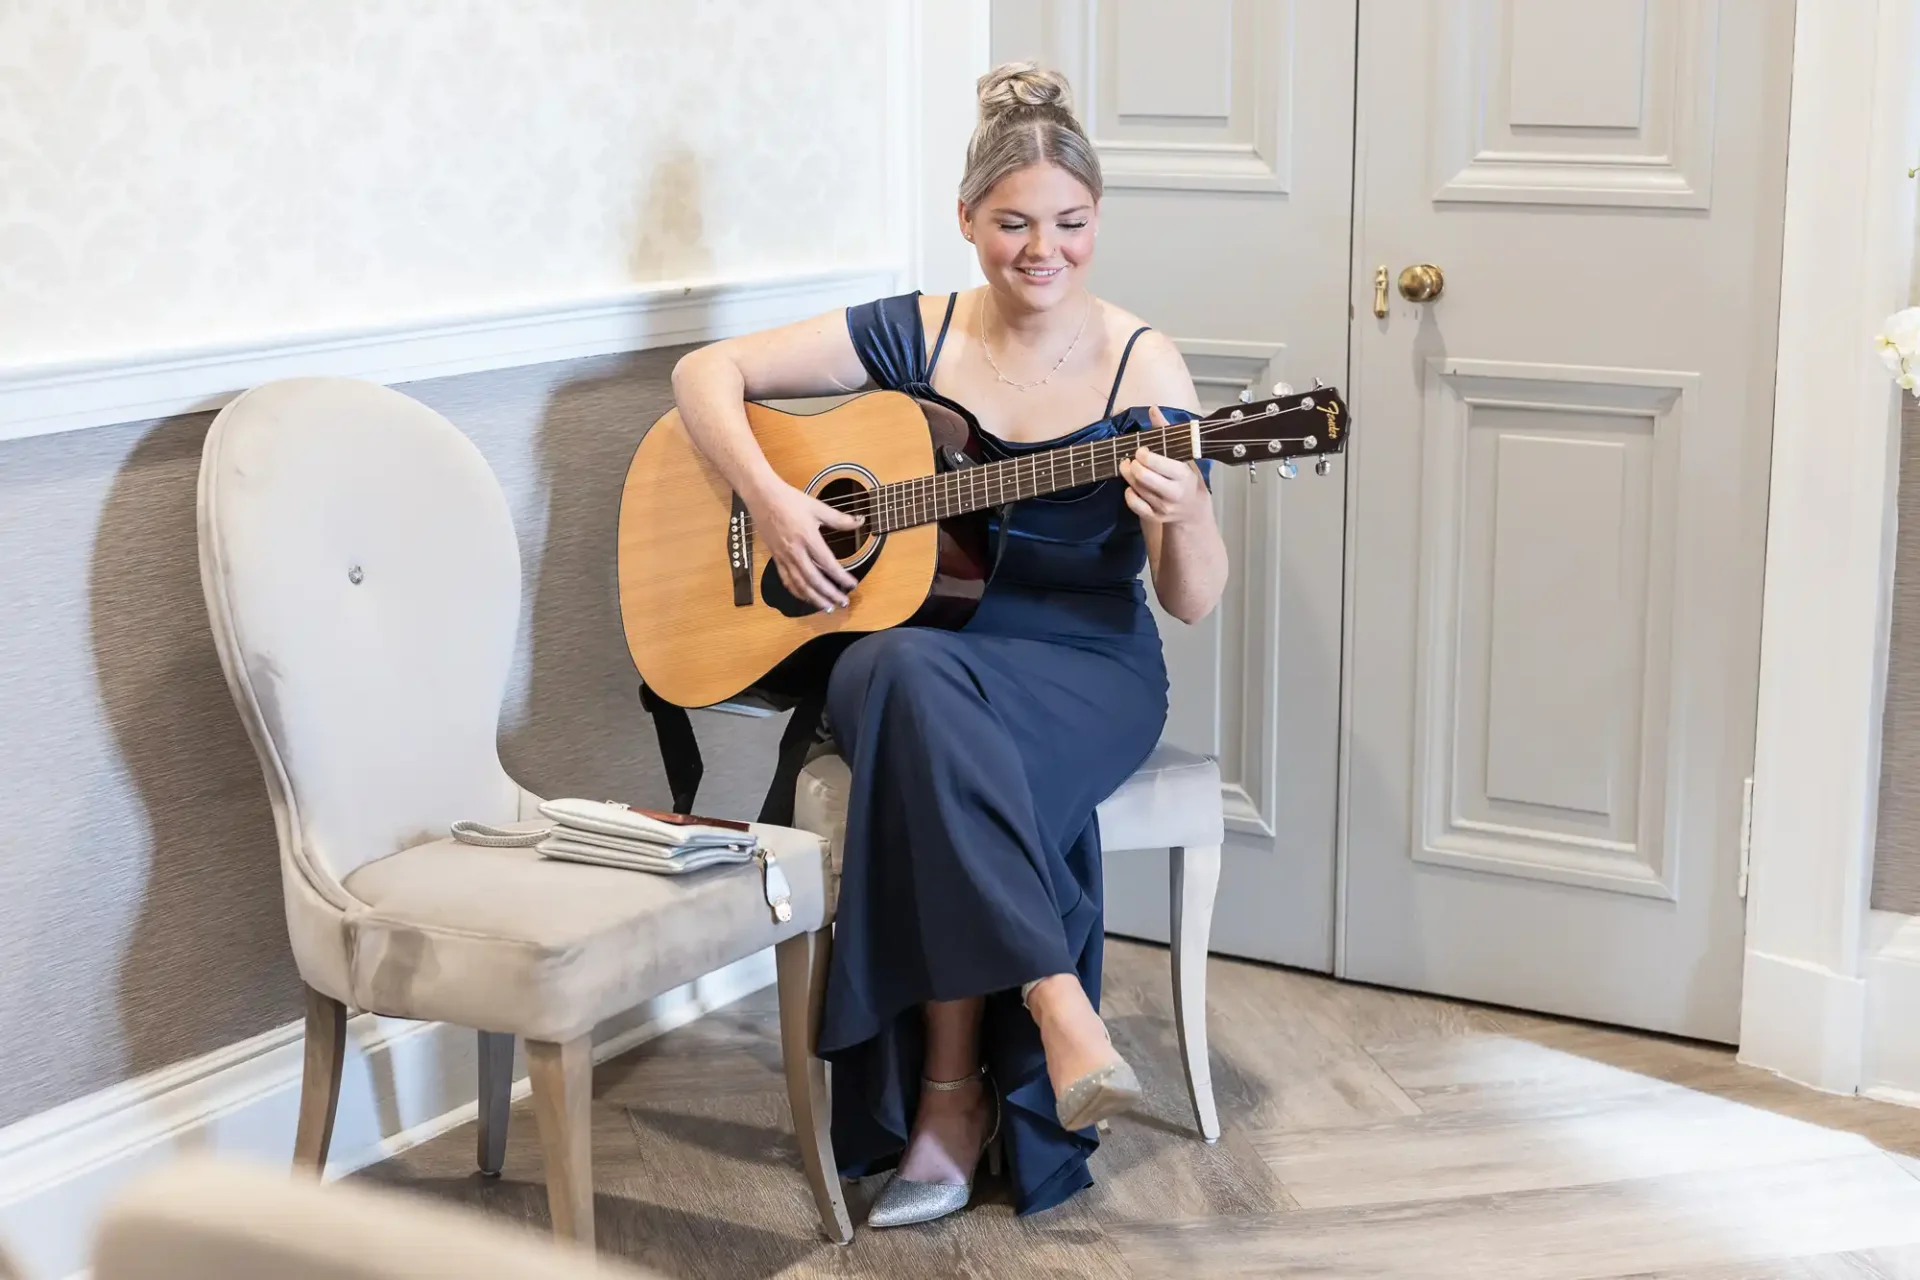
972,855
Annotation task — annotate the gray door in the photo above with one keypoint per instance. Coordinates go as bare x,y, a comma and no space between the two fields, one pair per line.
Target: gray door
1558,482
1226,136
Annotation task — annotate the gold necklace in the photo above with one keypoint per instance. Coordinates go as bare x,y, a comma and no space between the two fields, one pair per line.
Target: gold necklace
1024,386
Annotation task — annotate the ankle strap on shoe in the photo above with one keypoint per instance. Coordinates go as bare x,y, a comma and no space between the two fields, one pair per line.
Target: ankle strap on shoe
948,1086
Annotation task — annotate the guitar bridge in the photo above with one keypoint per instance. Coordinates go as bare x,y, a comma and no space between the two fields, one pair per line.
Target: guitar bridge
740,553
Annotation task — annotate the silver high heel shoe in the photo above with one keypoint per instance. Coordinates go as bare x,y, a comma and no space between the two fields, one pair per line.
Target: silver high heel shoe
903,1202
1103,1092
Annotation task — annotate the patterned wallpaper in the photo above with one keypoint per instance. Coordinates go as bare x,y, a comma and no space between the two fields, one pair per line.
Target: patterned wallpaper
186,172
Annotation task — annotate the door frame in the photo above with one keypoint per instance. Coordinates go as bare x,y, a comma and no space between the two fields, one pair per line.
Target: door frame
1812,941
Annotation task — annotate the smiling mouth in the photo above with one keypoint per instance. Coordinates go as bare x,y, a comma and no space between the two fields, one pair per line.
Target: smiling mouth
1039,273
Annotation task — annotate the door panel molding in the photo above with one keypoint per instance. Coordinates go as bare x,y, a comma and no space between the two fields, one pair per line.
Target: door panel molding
1242,648
1517,123
1229,131
1541,479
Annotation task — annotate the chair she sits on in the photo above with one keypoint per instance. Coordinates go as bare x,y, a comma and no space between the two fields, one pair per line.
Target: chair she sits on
362,579
1171,802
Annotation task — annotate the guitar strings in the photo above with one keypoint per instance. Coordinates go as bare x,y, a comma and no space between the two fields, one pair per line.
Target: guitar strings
864,500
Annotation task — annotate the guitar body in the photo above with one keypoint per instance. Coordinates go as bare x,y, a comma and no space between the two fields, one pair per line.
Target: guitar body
704,623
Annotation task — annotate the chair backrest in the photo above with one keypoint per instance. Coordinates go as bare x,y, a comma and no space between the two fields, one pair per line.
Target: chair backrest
363,585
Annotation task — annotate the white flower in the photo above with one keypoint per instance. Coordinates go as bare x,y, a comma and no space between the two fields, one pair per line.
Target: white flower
1898,343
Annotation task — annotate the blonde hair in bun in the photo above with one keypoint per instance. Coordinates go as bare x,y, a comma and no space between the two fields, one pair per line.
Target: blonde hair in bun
1026,117
1022,84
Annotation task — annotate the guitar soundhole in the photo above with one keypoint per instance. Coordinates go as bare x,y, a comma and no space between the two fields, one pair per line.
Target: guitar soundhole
847,493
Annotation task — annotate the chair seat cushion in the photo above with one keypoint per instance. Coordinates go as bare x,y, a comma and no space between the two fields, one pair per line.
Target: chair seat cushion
1171,800
506,940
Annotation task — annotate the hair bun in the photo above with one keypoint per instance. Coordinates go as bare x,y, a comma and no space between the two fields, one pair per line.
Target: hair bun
1012,85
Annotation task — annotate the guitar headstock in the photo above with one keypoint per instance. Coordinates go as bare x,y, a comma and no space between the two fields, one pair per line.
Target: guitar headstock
1285,426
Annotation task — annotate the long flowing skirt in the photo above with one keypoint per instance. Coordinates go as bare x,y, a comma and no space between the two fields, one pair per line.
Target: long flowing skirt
971,862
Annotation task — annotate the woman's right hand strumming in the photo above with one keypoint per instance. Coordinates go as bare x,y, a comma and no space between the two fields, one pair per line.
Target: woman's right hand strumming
807,358
787,525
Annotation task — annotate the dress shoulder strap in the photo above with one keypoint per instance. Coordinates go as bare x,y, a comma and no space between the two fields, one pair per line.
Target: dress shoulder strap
941,341
1121,372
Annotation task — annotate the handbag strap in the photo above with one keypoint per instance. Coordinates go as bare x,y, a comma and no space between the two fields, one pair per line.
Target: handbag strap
498,837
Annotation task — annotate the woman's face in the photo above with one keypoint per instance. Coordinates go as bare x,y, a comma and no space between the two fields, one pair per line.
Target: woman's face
1034,232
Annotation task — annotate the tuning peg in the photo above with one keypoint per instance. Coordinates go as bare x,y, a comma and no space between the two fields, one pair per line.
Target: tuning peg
1281,389
1317,384
1288,470
1253,474
1324,467
1246,395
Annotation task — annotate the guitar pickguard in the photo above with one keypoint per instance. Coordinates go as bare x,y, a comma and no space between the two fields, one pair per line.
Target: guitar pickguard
774,592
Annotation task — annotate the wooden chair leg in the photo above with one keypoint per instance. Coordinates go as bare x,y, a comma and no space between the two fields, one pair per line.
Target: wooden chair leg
562,1077
801,965
496,1099
326,1046
1195,875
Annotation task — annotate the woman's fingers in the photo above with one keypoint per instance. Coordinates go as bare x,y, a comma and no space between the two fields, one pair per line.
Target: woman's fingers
830,564
1161,464
834,517
1144,475
817,591
807,579
1141,507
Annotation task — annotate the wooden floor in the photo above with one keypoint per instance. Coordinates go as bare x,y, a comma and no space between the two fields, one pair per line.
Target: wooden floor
1367,1133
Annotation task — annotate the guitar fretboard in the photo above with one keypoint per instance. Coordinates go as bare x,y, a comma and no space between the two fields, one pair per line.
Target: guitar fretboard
952,493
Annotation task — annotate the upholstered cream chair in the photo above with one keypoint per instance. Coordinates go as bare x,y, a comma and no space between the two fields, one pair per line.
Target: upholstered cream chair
362,579
209,1219
1171,802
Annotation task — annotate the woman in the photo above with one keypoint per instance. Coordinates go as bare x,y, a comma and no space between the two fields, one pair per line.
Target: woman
966,962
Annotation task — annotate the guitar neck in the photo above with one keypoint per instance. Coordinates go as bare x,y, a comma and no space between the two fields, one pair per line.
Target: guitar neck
955,493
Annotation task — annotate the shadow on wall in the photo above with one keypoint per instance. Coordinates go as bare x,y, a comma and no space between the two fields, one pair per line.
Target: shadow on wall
581,731
207,960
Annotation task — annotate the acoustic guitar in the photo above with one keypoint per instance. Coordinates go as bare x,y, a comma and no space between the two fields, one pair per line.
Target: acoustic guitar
703,607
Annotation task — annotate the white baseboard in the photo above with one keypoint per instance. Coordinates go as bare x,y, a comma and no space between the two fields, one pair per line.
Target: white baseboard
405,1082
41,399
1802,1021
1891,1070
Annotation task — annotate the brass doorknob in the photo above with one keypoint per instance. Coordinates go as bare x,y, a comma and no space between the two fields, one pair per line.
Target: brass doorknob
1422,282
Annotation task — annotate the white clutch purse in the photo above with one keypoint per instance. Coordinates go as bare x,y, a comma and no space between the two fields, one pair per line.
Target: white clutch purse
607,833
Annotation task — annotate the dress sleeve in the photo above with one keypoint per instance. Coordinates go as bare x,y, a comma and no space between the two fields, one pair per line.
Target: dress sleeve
890,340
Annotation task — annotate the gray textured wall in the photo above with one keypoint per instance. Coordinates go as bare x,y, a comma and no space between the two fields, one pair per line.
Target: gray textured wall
140,916
1896,861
